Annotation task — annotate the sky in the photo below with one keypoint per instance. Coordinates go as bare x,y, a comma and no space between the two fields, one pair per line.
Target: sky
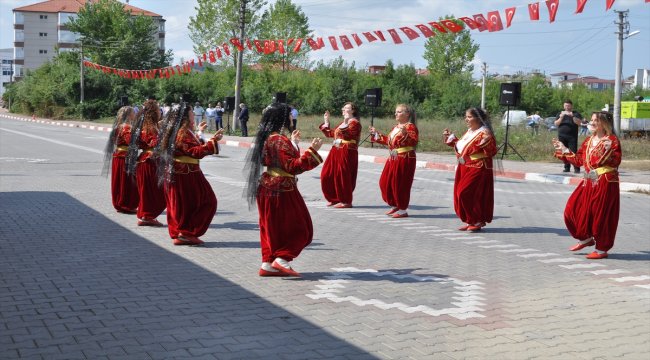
583,43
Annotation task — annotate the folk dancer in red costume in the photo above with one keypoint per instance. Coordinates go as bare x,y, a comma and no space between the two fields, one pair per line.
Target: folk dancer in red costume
591,213
124,190
285,224
339,174
397,177
144,166
191,203
474,181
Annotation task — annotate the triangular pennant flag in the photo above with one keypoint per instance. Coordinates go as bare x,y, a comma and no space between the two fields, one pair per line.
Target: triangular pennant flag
395,36
494,21
191,63
345,41
321,42
481,22
162,73
249,45
451,25
312,44
218,50
380,35
281,47
212,57
237,44
552,9
289,42
425,30
369,36
437,26
580,6
201,62
510,13
297,45
258,46
357,39
332,40
410,33
226,49
533,11
469,22
267,47
610,3
205,57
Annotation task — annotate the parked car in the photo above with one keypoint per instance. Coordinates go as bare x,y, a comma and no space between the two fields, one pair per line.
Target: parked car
549,123
516,117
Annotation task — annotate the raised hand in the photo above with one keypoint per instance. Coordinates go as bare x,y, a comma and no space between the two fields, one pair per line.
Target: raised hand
218,135
316,143
295,136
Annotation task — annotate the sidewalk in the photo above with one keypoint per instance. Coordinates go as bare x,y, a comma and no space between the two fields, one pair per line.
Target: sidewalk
631,180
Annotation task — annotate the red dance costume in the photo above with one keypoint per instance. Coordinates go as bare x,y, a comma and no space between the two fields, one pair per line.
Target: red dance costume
593,208
285,225
124,189
339,174
474,182
152,197
397,178
191,203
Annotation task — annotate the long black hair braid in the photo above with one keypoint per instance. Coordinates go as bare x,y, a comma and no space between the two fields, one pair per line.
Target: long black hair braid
167,142
111,144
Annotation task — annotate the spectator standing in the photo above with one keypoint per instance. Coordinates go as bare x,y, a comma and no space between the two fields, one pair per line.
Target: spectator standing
294,116
533,123
198,114
211,115
219,116
567,123
243,119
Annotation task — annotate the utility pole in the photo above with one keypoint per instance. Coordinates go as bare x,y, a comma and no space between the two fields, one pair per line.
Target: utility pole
623,30
483,86
240,59
81,77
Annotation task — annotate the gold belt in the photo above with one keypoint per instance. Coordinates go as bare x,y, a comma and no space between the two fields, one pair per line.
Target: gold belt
477,156
403,149
348,141
122,148
148,150
275,172
604,170
186,160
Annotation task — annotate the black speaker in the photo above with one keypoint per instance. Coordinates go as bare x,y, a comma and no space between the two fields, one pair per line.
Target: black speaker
229,103
281,97
373,97
510,94
124,101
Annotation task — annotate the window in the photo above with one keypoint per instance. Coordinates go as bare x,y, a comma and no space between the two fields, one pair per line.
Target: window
42,51
43,17
42,34
6,72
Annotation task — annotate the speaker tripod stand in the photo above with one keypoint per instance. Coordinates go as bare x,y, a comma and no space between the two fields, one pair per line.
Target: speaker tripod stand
505,143
372,123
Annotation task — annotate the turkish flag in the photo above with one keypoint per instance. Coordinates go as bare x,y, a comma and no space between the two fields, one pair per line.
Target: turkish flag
437,26
610,3
510,13
212,57
226,49
237,44
201,62
469,22
481,22
395,36
219,56
357,39
426,30
451,25
205,57
345,41
281,47
313,44
321,43
298,44
369,36
248,44
552,9
533,11
258,46
289,42
333,42
580,6
380,35
494,21
410,33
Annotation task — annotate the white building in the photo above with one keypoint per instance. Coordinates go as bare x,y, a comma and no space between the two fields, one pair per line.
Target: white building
642,78
40,29
7,60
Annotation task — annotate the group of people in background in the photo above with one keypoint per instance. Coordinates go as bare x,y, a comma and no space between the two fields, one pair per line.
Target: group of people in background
155,166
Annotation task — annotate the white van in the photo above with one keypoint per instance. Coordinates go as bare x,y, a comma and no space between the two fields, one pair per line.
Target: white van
516,117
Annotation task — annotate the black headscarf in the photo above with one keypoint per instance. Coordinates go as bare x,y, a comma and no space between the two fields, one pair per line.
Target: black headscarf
275,119
121,118
167,141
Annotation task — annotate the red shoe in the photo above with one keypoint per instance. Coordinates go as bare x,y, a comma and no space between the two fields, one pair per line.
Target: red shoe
286,271
330,203
473,228
580,246
596,255
391,211
179,242
397,216
464,228
271,273
149,222
192,240
343,206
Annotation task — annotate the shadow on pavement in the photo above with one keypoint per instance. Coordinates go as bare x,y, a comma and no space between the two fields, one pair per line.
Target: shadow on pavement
75,284
527,230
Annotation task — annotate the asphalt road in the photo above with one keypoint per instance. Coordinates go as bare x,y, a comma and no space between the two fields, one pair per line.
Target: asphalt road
78,280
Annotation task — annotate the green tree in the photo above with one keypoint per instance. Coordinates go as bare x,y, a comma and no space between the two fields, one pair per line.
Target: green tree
118,38
285,20
450,53
217,21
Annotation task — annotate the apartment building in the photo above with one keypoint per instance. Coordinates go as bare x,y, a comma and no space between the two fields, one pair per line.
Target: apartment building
7,60
40,30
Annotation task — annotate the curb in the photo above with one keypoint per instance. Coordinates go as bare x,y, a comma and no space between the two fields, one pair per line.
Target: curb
536,177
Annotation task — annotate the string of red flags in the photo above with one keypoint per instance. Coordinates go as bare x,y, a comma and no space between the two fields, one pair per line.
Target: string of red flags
492,21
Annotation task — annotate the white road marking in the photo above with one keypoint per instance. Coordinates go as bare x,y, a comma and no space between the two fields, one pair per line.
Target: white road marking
54,141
